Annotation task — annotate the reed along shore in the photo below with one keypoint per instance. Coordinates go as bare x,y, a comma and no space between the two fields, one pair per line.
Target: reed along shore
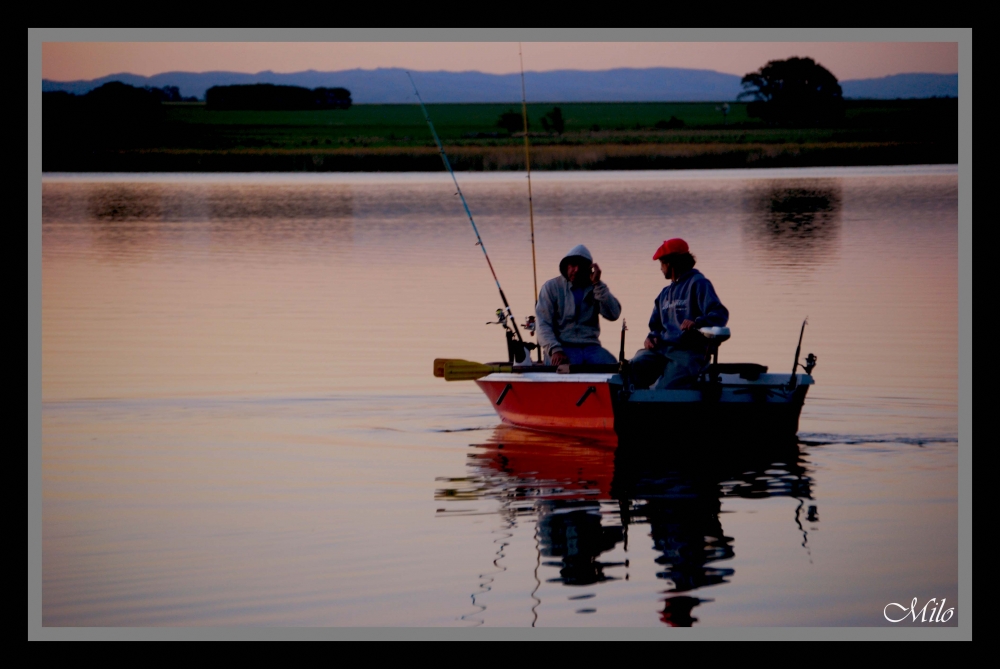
394,138
464,158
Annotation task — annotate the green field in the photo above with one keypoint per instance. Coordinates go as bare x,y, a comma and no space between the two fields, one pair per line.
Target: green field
453,121
194,126
391,137
476,124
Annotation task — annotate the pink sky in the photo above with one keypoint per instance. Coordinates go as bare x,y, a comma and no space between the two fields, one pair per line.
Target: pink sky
67,61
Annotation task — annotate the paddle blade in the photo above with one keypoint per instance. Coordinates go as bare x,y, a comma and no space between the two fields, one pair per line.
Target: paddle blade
441,363
439,366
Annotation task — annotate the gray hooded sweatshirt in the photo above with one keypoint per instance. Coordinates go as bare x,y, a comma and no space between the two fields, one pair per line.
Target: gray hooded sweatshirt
557,319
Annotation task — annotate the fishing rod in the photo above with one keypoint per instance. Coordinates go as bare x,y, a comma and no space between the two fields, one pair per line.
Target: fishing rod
527,164
798,350
479,239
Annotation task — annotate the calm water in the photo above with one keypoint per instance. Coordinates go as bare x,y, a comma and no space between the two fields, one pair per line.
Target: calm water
241,427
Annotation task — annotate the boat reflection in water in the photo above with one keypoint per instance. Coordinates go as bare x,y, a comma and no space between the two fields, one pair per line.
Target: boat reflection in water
586,498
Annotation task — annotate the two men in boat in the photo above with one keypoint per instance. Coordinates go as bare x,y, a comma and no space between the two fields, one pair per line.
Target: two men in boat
675,353
568,309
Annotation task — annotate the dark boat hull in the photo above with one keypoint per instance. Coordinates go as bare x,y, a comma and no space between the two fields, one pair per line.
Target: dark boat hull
649,420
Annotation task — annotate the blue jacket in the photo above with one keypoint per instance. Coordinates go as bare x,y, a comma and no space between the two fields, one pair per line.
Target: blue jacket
691,297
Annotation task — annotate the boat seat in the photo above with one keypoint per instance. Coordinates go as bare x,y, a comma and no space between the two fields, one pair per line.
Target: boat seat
716,335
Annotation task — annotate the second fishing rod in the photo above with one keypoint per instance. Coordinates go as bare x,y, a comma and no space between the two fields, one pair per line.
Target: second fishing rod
504,315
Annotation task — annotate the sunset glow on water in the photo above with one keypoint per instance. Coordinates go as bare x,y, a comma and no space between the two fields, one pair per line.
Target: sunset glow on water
240,425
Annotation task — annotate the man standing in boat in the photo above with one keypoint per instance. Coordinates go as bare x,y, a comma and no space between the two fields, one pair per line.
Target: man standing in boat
674,351
567,312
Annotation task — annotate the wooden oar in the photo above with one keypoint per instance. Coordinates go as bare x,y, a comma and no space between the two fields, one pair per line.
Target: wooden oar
464,370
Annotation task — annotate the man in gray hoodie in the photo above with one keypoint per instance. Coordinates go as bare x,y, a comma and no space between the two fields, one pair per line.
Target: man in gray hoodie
675,352
567,312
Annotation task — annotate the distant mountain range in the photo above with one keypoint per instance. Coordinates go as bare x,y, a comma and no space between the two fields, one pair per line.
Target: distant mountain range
391,86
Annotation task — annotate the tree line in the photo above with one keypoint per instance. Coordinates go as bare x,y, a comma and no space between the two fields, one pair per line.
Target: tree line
795,91
116,95
112,115
552,121
275,97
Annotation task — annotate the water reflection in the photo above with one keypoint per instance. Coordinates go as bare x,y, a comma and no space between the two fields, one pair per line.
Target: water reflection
252,202
572,531
243,202
320,219
126,202
584,500
129,219
793,222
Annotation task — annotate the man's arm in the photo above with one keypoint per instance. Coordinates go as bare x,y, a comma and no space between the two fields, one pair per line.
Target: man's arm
713,313
545,316
611,309
655,326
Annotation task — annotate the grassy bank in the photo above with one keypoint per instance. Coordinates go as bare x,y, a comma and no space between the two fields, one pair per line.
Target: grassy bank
188,137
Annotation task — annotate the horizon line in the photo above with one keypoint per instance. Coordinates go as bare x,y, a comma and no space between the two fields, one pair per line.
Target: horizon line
492,74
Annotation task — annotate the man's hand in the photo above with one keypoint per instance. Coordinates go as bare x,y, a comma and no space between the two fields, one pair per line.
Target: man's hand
559,358
687,325
650,343
595,273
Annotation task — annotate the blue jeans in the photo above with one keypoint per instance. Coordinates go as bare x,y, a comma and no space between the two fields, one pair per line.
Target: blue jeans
593,354
669,368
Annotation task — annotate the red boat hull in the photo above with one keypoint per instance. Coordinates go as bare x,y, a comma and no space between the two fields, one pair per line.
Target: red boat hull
578,406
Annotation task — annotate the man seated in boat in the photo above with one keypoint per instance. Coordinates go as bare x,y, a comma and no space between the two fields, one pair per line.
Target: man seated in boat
674,351
567,312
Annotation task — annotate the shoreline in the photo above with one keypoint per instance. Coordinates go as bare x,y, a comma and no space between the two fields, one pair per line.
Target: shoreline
848,171
602,157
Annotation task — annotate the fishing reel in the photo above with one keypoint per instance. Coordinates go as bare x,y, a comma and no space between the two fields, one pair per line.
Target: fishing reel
810,363
529,325
517,350
501,319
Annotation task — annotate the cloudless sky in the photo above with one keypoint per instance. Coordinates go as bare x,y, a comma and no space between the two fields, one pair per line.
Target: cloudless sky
67,61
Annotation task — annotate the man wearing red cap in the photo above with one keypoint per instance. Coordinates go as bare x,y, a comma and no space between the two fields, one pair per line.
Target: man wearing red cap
674,351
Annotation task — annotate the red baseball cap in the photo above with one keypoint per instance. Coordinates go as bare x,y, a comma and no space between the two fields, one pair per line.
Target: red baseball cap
676,245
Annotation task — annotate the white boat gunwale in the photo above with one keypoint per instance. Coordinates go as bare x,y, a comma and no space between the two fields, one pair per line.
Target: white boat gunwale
552,377
764,380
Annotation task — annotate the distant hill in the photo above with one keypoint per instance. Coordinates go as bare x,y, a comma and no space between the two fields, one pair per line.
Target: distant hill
902,86
390,85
